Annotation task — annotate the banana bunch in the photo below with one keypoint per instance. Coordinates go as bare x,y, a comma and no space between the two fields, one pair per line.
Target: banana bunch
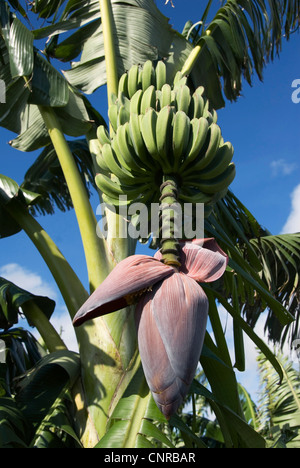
143,88
159,129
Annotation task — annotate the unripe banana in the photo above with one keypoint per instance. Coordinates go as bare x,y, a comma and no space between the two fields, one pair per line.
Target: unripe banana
221,161
183,99
148,128
113,116
205,158
148,99
179,80
111,161
160,74
113,188
215,185
197,105
138,142
164,138
148,75
198,137
123,115
166,96
103,135
123,85
133,80
135,102
126,150
189,195
180,137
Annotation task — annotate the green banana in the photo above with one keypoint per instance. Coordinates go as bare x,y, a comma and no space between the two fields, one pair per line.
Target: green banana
102,165
148,75
133,79
123,115
204,159
123,85
160,74
198,138
126,151
180,137
135,102
188,195
220,162
113,116
144,198
164,137
183,99
217,184
138,142
179,80
197,104
114,189
148,99
148,128
166,96
103,135
113,164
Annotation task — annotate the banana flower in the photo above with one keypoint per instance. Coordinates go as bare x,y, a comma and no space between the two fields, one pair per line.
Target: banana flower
171,313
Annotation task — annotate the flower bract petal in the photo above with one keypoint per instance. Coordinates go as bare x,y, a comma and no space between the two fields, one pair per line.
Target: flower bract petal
171,324
201,259
132,275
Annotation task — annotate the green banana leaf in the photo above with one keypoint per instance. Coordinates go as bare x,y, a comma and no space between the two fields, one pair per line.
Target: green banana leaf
280,404
245,241
242,35
248,437
31,81
10,192
137,423
280,256
36,414
12,298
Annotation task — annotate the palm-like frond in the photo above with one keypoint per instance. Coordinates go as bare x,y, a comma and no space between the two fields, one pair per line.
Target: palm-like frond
267,267
280,256
280,404
238,41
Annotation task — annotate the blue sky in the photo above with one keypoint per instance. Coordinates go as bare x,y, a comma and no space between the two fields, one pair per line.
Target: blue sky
263,126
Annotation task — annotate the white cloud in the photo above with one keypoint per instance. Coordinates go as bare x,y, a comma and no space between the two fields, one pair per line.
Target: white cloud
62,323
282,167
27,280
35,284
293,221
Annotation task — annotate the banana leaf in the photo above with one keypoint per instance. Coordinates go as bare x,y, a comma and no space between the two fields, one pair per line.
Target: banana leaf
12,298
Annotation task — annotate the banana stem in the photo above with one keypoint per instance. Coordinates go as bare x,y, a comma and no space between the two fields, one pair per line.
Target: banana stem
169,244
67,281
109,48
120,248
50,336
94,247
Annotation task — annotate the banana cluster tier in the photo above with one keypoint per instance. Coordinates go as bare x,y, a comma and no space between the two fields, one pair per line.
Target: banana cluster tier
158,130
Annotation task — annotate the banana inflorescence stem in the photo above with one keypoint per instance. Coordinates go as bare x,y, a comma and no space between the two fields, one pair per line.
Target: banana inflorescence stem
170,247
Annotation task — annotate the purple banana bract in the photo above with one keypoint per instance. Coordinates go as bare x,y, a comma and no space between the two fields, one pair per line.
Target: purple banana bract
171,313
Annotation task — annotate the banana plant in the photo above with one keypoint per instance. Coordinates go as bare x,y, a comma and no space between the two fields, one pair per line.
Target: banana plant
174,84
